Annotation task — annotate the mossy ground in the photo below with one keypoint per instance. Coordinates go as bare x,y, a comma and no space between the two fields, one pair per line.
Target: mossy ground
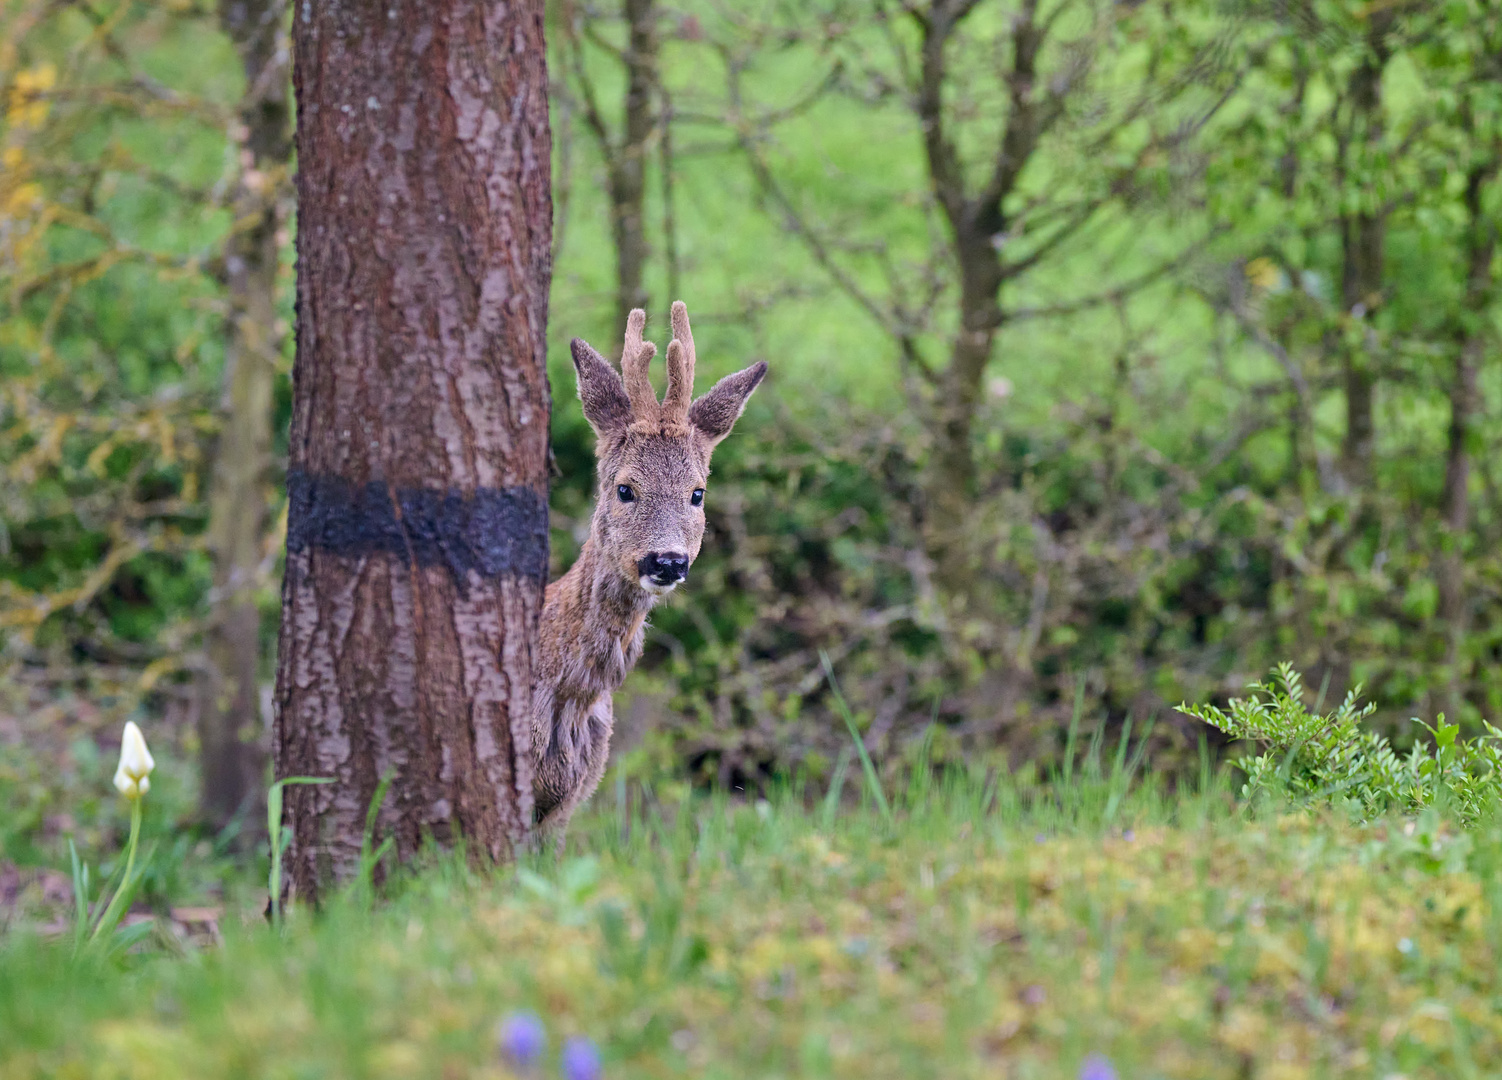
981,932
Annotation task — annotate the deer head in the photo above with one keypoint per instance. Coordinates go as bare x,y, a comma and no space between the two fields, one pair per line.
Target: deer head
654,456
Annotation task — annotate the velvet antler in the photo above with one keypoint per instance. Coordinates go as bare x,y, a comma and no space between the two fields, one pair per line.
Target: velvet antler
636,355
680,368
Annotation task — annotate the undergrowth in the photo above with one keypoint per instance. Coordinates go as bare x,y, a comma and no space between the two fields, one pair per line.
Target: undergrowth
1306,756
959,924
1341,920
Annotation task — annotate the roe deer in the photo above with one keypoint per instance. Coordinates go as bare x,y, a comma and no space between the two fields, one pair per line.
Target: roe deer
645,533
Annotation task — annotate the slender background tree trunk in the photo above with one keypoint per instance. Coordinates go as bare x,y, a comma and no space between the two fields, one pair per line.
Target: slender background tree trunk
1365,238
629,172
950,479
1364,242
417,530
232,743
1470,348
626,148
975,220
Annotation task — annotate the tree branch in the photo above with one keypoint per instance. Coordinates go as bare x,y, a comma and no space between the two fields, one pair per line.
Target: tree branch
1120,292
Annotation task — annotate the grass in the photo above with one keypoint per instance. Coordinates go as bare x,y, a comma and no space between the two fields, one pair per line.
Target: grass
987,928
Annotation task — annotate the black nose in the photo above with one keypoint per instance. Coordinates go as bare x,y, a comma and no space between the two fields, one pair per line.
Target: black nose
663,567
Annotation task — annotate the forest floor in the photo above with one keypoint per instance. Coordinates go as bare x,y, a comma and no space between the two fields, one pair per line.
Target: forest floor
972,930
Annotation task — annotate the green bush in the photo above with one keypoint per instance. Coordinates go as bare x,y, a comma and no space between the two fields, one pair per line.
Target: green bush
1316,757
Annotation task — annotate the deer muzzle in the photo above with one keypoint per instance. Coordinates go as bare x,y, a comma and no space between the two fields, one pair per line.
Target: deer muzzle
662,569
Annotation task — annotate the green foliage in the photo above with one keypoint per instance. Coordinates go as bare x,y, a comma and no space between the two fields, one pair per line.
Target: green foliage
1314,757
363,887
1162,501
96,924
278,838
1159,500
991,926
114,207
873,781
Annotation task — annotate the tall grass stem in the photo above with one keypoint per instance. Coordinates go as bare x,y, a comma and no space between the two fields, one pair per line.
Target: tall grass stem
873,782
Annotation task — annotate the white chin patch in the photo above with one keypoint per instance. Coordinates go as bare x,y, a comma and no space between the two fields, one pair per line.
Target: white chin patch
654,588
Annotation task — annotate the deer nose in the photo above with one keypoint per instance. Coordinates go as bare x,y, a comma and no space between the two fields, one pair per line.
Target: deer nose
663,567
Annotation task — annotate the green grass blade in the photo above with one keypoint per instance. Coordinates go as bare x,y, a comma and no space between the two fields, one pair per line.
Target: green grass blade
274,836
831,805
873,782
1074,729
364,884
80,896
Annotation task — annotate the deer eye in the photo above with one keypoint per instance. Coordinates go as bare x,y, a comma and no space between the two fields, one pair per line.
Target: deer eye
697,498
625,493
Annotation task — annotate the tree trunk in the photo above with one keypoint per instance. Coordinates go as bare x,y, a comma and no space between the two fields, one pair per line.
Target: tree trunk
417,528
628,186
625,152
950,483
667,164
1481,244
1364,242
232,745
975,221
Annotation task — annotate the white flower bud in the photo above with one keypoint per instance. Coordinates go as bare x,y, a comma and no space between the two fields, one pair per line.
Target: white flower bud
135,764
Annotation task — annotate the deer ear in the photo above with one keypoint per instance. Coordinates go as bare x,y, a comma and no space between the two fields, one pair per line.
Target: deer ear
601,391
716,412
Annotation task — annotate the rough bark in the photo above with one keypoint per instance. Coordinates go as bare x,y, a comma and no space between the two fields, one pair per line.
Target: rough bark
417,529
232,743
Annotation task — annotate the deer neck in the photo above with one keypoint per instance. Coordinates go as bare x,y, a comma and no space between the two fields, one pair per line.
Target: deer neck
595,619
616,606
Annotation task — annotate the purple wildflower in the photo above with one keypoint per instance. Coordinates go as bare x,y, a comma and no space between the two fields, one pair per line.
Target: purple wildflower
1097,1068
522,1039
581,1061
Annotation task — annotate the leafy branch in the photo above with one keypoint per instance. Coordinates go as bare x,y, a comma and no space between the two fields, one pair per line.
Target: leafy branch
1325,758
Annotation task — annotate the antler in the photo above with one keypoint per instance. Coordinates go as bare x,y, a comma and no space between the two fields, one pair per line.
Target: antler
636,354
680,393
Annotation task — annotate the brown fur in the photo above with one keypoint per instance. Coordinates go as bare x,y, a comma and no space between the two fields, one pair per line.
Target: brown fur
594,617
